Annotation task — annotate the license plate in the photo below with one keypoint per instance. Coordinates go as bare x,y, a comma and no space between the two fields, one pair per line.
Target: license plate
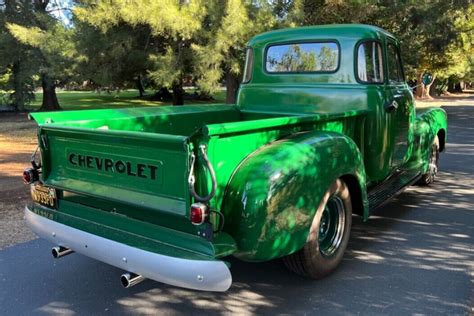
44,195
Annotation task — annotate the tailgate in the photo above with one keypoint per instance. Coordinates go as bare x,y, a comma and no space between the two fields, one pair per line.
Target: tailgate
144,169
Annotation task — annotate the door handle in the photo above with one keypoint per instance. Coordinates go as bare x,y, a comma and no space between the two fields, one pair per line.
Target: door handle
391,106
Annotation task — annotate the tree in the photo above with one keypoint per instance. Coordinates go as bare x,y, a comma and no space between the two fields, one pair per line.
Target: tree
16,58
54,52
115,57
226,33
118,43
434,35
173,24
49,46
314,12
460,54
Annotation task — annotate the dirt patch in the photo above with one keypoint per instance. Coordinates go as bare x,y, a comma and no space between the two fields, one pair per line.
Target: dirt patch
17,142
461,99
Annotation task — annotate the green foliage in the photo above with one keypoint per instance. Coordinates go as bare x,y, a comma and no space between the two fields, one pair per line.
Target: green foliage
223,36
5,77
115,57
172,42
55,49
37,44
172,26
436,36
223,50
177,19
16,60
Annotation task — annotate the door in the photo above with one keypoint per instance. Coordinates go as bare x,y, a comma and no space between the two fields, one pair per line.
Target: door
399,107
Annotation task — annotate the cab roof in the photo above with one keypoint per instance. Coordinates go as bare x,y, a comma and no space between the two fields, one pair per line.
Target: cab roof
329,31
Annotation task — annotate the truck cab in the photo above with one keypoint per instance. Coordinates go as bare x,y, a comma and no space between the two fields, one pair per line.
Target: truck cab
324,127
362,63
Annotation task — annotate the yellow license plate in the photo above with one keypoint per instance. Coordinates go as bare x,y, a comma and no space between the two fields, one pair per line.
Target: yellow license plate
44,195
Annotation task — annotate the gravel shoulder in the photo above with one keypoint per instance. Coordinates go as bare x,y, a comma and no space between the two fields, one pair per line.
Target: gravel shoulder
17,142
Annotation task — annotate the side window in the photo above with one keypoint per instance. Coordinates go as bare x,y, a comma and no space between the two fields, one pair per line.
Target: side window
395,73
248,66
369,62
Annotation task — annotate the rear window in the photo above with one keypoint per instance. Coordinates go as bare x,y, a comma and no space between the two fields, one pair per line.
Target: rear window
302,57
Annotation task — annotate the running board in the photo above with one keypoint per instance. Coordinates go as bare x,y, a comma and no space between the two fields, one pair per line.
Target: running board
396,184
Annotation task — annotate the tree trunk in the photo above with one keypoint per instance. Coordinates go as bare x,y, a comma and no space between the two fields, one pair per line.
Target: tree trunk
428,88
437,88
458,88
420,87
141,89
178,92
232,85
451,85
50,100
18,96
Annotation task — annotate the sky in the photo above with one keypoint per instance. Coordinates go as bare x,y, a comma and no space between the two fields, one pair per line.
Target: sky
61,9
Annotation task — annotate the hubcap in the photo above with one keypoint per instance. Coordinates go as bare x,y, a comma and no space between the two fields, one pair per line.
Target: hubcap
331,227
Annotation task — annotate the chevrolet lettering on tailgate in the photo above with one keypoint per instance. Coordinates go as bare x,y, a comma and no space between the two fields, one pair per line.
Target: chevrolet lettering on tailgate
140,170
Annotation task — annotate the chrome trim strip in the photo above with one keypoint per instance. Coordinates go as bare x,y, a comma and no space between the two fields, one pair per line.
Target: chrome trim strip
212,275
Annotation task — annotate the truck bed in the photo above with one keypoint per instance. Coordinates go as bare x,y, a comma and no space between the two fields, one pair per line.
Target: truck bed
183,121
133,162
136,162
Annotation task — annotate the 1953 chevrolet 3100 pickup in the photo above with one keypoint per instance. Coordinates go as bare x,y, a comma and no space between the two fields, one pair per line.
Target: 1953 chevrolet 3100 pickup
324,127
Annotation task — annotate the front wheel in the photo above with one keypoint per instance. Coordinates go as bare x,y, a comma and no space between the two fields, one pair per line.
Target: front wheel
328,236
430,175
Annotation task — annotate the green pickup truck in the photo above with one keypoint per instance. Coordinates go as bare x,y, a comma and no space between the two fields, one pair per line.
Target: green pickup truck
324,127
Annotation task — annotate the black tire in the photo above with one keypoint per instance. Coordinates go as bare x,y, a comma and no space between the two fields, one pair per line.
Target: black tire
430,175
328,236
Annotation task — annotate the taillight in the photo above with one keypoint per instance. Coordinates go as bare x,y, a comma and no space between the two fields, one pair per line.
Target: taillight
198,213
30,175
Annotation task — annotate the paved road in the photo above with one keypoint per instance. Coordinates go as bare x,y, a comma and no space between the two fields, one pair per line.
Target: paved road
416,255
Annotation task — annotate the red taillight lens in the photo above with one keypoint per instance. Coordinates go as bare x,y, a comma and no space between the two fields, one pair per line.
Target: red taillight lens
198,213
30,175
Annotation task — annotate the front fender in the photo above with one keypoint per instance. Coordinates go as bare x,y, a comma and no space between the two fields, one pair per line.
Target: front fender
429,123
271,198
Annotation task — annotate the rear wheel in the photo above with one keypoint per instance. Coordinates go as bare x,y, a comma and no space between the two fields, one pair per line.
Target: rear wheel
328,236
430,175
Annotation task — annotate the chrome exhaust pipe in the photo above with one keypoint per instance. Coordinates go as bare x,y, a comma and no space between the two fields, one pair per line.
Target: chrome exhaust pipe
59,252
130,279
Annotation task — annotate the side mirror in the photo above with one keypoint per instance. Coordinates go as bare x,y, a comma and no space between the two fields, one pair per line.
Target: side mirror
427,78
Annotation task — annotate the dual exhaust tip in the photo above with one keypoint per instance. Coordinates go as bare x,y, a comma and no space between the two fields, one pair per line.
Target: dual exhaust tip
130,279
59,252
127,279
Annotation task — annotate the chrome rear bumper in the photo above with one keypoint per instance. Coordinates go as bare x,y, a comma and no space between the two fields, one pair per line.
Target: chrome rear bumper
205,275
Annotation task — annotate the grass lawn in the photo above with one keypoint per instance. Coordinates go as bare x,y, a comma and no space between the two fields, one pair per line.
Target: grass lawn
82,100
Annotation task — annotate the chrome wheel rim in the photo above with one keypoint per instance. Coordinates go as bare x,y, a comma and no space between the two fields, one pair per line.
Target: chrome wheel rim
433,165
331,226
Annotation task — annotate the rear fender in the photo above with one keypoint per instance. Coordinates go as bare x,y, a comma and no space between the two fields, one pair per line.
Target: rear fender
271,198
429,123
